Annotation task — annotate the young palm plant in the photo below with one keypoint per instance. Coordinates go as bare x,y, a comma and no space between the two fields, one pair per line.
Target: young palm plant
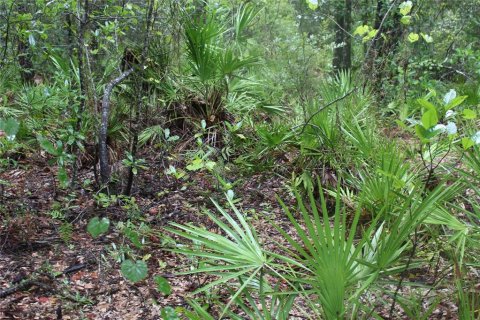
214,61
329,261
237,255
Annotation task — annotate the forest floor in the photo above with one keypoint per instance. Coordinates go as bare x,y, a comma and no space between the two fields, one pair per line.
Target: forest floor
80,278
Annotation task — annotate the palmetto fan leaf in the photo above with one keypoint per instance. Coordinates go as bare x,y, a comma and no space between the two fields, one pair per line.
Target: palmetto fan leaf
327,253
237,254
202,51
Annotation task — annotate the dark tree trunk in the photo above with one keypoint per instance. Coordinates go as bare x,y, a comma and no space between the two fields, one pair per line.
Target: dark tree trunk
141,89
388,21
25,62
23,53
342,59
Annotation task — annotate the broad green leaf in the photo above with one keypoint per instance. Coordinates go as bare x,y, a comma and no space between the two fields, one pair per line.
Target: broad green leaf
429,118
455,102
134,270
195,165
168,313
406,20
413,37
47,145
133,236
312,4
210,165
162,285
421,132
467,143
424,134
370,35
361,30
426,104
97,226
469,114
405,7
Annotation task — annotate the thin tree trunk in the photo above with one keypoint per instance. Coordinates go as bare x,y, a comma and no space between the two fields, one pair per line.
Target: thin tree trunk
7,35
82,24
343,46
24,55
102,139
150,18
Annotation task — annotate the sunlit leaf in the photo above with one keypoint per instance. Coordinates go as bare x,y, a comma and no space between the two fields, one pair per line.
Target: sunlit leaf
361,30
406,20
312,4
405,7
429,118
469,114
467,143
413,37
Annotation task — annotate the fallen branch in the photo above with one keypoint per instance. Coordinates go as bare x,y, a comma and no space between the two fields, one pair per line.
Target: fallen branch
35,280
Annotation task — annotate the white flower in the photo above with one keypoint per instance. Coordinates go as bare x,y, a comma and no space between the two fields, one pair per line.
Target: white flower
451,128
440,127
476,137
449,114
452,94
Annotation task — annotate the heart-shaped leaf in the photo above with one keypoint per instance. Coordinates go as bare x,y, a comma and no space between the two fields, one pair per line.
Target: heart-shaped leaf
413,37
168,313
97,226
134,270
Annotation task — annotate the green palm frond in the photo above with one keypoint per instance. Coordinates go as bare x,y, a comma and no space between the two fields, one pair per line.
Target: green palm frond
237,254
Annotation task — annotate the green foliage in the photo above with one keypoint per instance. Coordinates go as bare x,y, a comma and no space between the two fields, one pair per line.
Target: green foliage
97,226
10,127
241,251
162,285
168,313
134,164
134,271
230,88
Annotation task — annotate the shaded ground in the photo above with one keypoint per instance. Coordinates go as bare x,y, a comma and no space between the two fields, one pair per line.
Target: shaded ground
80,279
